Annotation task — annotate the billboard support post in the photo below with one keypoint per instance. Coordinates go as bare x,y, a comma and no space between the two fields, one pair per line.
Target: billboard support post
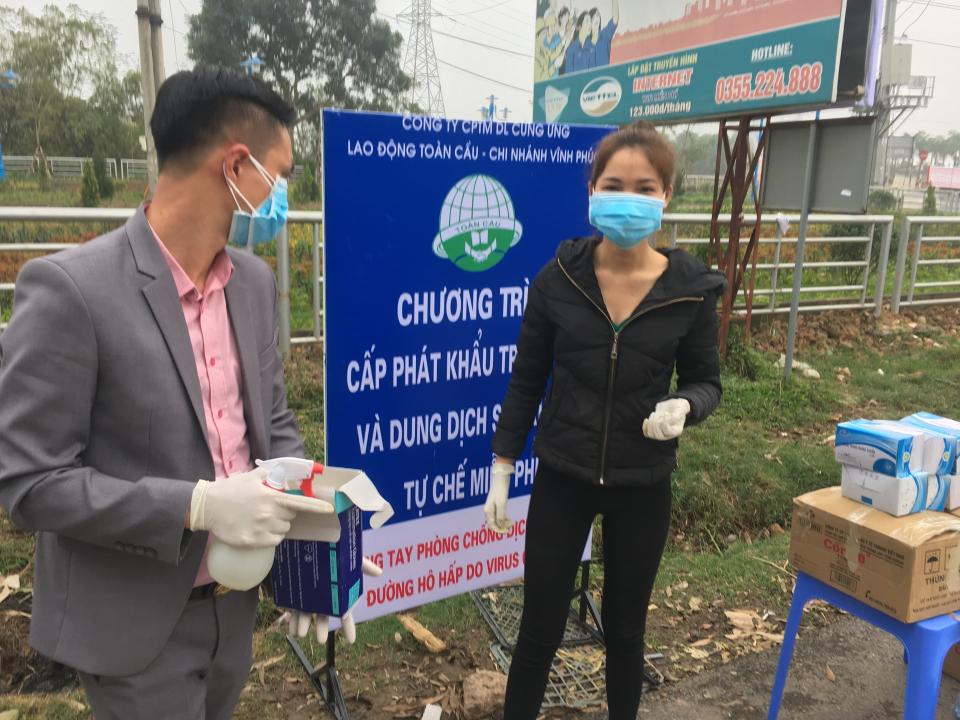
801,243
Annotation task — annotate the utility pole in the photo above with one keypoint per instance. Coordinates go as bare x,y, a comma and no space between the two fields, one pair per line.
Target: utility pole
420,59
883,91
152,73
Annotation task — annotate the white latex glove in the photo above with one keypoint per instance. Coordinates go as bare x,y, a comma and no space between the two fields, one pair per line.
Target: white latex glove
243,512
667,420
496,506
300,621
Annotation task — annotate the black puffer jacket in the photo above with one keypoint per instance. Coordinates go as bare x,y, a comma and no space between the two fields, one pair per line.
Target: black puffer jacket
605,383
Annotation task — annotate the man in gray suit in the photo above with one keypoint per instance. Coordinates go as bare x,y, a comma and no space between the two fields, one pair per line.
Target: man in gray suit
135,369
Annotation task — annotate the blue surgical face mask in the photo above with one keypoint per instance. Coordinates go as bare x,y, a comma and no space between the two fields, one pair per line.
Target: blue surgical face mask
262,224
626,218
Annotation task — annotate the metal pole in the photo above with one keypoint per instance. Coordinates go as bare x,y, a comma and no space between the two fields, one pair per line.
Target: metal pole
866,268
916,262
801,242
317,288
901,264
283,270
776,268
882,268
883,98
147,86
156,44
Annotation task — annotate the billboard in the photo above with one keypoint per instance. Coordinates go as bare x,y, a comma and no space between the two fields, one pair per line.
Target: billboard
615,61
433,231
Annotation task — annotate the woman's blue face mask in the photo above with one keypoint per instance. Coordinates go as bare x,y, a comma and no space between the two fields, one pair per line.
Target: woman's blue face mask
262,224
627,219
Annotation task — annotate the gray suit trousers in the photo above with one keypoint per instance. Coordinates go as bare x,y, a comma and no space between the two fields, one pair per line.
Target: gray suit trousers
198,675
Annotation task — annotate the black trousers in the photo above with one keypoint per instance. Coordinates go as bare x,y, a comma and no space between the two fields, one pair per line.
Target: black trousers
635,525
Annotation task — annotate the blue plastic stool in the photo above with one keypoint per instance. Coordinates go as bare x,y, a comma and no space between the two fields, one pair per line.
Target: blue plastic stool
926,643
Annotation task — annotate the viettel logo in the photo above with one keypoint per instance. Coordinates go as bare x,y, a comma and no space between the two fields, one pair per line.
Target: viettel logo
601,96
478,225
554,102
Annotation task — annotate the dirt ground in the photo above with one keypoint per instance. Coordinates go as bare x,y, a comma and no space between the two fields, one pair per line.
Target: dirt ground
709,674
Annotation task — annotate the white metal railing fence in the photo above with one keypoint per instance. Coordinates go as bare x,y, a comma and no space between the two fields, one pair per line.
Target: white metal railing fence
72,167
864,260
314,219
773,289
60,167
938,272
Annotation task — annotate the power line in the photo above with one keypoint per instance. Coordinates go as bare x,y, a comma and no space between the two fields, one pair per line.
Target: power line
480,10
493,29
176,53
485,77
922,12
472,42
933,42
499,9
934,3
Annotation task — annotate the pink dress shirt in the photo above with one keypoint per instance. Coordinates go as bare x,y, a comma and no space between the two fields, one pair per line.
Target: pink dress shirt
218,369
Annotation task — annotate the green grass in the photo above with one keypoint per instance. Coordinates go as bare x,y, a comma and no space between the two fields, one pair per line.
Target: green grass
739,471
68,706
65,192
736,571
16,547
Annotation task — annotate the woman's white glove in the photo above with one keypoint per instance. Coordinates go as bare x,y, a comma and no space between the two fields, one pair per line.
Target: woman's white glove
496,506
299,622
667,420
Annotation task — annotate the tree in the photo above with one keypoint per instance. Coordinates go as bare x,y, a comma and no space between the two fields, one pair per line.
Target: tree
316,53
104,182
89,190
930,201
61,54
306,189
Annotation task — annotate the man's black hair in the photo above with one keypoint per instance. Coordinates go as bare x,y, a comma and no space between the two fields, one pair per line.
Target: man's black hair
563,11
195,108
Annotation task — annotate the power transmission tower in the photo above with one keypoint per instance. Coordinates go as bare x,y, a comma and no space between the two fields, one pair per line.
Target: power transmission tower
420,59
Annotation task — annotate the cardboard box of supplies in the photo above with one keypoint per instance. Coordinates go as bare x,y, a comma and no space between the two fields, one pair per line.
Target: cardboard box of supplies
318,568
906,567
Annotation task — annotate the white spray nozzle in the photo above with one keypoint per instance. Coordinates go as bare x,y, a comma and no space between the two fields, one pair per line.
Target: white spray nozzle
281,472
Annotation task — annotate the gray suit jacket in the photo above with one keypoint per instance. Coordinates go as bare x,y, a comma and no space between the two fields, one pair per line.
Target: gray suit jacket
102,438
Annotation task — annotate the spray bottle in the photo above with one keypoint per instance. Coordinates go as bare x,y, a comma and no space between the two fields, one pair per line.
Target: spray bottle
244,568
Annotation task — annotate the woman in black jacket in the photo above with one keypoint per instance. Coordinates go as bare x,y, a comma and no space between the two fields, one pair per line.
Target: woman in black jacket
607,322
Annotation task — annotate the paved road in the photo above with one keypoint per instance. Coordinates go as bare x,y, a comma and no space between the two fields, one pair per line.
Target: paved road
866,663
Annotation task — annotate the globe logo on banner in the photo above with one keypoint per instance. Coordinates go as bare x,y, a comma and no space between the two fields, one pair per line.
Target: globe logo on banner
553,102
601,96
478,225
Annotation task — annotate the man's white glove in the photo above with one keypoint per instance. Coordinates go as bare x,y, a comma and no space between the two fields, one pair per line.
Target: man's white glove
667,420
496,506
243,512
299,622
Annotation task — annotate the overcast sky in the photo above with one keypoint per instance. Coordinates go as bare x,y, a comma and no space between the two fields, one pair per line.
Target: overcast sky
509,25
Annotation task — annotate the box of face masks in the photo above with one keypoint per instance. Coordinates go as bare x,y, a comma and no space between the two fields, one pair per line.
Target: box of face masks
897,496
943,428
906,567
318,568
888,448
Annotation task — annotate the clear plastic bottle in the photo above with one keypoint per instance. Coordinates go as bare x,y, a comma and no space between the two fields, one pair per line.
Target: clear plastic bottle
245,568
956,708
